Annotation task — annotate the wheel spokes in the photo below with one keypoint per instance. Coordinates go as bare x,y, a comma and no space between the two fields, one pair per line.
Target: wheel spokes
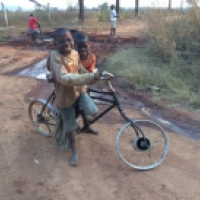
142,153
42,118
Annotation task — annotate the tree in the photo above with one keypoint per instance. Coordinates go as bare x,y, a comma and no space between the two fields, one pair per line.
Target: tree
104,6
192,1
19,9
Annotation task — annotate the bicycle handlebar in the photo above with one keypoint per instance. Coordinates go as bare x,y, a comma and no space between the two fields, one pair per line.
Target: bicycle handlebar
105,75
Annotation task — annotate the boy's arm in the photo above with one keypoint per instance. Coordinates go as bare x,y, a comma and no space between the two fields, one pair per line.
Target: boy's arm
92,64
37,22
69,79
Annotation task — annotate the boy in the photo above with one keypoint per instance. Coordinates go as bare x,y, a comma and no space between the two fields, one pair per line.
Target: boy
32,27
69,77
88,61
113,20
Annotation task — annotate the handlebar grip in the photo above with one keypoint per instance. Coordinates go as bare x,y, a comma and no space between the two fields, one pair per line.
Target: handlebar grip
106,75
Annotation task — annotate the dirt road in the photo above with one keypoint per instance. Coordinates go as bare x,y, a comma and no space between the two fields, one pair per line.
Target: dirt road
33,168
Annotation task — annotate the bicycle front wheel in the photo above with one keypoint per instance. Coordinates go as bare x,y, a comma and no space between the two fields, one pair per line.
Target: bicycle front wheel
44,121
142,152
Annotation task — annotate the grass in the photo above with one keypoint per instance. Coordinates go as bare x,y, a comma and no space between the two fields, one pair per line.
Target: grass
168,66
175,83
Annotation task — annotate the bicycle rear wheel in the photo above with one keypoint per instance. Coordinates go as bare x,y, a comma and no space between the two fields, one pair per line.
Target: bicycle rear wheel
142,152
44,122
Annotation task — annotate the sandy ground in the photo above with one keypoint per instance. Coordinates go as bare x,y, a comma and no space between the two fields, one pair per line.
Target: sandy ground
32,167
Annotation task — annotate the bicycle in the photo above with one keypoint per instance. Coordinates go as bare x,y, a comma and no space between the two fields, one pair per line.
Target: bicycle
133,139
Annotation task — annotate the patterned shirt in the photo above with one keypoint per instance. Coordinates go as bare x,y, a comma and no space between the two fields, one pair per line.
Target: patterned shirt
69,77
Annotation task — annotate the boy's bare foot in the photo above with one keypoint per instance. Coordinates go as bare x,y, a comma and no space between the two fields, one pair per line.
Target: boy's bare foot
74,159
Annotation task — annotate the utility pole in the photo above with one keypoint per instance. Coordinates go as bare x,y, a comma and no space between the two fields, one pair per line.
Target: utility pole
117,7
136,7
181,6
170,4
5,14
49,14
81,10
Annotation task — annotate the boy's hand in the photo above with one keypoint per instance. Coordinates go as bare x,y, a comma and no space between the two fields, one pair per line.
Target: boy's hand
97,76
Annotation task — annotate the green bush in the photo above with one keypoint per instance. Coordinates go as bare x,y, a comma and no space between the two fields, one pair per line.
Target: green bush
103,16
174,35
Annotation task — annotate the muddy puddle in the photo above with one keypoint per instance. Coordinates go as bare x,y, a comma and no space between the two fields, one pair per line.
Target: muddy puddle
39,71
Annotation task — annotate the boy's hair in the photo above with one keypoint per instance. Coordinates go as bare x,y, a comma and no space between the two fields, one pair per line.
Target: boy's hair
112,6
58,32
80,37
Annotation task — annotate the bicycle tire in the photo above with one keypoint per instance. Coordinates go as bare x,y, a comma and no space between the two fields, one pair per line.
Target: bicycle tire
46,126
134,146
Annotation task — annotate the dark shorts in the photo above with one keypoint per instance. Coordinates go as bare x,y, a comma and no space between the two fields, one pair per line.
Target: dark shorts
33,34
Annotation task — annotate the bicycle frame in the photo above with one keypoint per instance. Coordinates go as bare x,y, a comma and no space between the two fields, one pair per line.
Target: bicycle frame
113,103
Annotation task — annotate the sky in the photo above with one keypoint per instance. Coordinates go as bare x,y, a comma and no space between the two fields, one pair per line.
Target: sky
62,4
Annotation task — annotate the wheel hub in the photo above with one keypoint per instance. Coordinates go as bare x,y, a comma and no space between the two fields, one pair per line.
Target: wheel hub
43,118
141,143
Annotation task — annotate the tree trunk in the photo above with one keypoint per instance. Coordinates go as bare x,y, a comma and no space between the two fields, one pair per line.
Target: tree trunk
5,14
136,7
181,6
170,4
117,7
81,10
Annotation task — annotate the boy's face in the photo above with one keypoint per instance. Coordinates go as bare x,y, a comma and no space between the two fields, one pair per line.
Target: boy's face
65,43
83,50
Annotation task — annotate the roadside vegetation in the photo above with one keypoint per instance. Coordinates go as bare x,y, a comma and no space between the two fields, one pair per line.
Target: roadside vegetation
169,65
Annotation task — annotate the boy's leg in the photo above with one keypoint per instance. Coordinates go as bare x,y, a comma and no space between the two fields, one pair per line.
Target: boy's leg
72,142
111,31
114,29
35,35
69,126
87,108
111,28
85,123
